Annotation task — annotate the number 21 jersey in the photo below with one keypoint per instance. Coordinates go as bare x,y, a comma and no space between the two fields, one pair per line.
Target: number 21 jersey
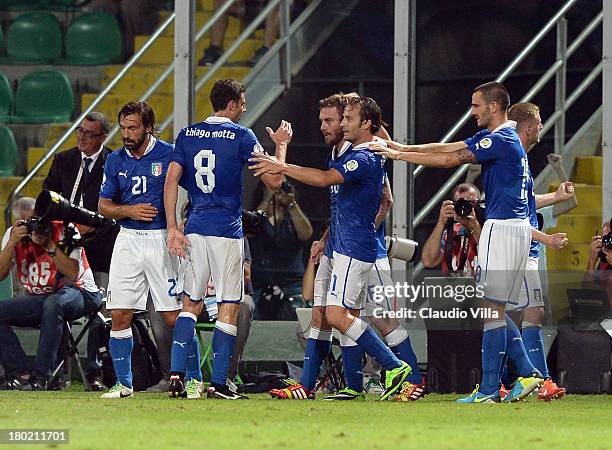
213,154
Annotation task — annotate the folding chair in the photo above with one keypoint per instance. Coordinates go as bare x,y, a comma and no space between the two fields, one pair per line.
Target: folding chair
333,364
206,350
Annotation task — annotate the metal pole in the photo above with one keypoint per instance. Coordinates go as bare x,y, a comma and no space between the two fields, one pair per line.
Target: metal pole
401,74
285,18
607,112
560,85
411,100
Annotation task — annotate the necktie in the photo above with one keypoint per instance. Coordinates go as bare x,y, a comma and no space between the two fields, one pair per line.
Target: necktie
86,163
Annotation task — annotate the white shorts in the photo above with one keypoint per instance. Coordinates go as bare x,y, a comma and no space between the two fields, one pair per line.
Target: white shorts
219,257
373,296
531,288
141,264
503,249
322,279
348,281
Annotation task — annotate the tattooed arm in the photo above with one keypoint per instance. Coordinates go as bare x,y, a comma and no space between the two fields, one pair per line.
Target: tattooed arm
442,160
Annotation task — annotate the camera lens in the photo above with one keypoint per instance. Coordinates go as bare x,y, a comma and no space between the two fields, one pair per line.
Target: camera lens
462,207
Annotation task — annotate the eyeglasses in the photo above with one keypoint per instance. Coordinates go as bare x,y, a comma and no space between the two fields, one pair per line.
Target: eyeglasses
88,134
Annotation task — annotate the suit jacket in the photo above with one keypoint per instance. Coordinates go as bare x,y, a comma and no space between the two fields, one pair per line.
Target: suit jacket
61,178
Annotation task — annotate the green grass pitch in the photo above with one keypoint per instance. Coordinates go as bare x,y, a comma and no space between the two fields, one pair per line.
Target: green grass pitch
153,421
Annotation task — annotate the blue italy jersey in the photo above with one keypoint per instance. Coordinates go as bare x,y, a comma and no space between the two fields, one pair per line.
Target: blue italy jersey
213,154
333,194
358,203
534,250
129,181
505,172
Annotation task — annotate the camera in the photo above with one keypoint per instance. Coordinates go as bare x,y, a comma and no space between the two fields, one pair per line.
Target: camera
606,241
286,187
253,222
35,225
402,248
463,207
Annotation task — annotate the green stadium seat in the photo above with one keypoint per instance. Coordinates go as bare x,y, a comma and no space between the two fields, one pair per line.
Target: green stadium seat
93,39
9,156
6,99
44,96
34,38
2,43
22,5
6,288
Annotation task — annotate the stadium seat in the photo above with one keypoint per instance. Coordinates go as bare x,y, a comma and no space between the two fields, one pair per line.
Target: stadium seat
6,98
93,39
6,288
44,96
34,38
9,156
20,5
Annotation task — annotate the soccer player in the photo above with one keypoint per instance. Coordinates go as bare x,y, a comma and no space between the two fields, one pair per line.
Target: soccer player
208,161
530,309
506,235
359,176
318,345
132,193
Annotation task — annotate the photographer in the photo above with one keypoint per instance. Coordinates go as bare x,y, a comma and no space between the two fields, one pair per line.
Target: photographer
599,268
60,286
465,234
277,253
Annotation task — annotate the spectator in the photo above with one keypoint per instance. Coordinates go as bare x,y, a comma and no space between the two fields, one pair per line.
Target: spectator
60,287
76,174
465,234
277,251
599,268
248,9
135,17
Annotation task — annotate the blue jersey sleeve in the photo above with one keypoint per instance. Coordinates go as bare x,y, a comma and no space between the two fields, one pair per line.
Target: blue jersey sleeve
358,167
110,187
486,148
474,139
178,154
249,144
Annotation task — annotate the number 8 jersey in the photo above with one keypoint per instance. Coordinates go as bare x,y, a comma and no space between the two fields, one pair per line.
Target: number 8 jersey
213,154
130,181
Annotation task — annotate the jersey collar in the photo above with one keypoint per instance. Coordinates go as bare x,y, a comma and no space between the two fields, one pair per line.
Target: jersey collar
150,145
342,151
506,124
214,120
365,145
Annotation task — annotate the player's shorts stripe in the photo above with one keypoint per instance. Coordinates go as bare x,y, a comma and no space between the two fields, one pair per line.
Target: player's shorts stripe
348,268
488,245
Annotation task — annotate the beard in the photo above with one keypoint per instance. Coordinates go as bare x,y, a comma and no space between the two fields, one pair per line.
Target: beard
132,145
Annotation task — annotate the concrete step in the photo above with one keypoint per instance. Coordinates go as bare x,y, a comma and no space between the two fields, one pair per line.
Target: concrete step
573,257
588,170
162,51
139,78
234,26
580,228
35,154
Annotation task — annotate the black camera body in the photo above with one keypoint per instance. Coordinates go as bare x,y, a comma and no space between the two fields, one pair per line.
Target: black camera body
286,187
606,241
463,207
253,222
36,225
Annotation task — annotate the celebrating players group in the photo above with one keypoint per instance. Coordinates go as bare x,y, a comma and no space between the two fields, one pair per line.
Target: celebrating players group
174,259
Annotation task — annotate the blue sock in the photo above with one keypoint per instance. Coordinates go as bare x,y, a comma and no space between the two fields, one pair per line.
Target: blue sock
399,343
181,342
317,348
352,363
368,340
504,375
223,347
534,344
192,368
120,346
493,351
516,350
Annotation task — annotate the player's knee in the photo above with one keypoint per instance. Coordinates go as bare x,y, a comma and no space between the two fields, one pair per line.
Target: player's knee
335,317
318,317
193,307
121,319
534,316
384,324
170,317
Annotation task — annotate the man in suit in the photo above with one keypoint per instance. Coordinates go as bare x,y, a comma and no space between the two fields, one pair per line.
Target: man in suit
76,174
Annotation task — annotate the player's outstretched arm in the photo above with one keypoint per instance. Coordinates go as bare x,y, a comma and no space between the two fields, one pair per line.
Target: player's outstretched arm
261,164
564,192
433,147
442,160
176,240
556,241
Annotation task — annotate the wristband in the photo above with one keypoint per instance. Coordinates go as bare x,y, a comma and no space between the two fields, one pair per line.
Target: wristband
52,252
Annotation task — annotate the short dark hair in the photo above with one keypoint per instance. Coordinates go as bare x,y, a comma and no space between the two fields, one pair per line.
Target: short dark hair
225,91
142,109
523,112
368,110
494,92
338,101
464,187
95,116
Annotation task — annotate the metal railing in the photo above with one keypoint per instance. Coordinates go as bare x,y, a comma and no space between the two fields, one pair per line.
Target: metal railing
562,101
